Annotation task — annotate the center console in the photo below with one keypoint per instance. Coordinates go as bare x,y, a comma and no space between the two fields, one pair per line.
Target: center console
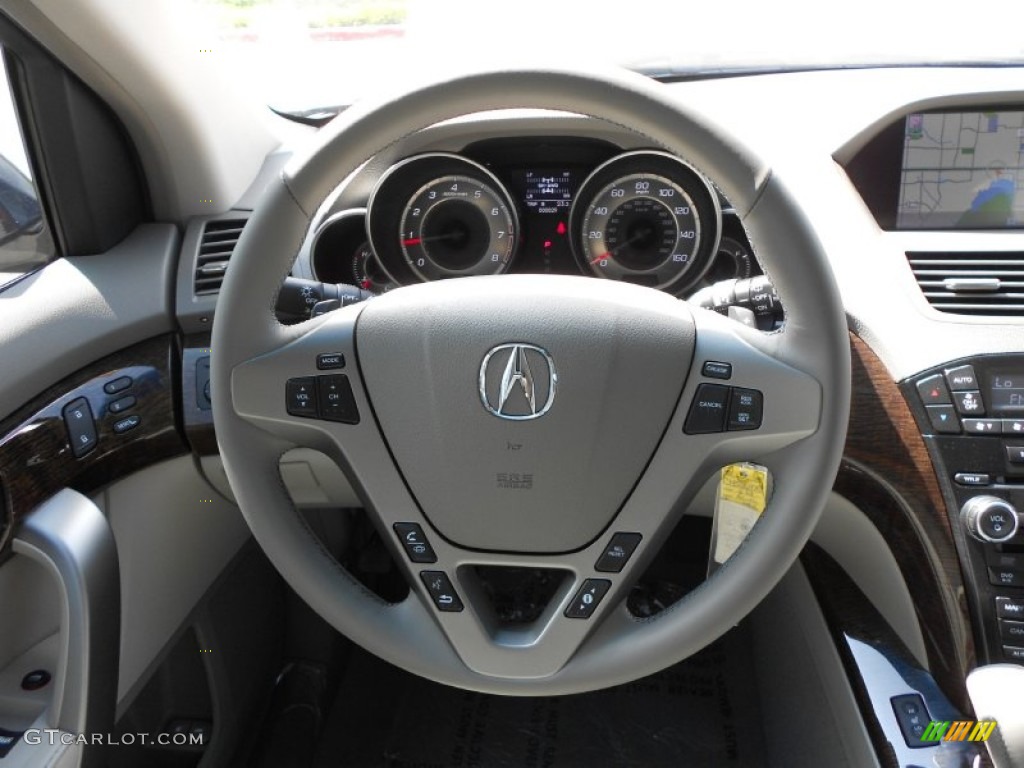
971,414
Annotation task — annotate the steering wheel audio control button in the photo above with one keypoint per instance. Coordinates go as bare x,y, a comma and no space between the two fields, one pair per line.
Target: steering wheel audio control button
415,543
300,397
329,361
746,408
617,552
588,598
441,591
707,413
336,400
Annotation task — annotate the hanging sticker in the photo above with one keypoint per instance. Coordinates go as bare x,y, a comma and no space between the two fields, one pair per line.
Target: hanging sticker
743,492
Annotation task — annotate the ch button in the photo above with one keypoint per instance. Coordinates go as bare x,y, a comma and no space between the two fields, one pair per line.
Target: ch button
336,402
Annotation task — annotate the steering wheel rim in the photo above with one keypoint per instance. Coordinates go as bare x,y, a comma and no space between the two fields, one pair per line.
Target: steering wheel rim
253,355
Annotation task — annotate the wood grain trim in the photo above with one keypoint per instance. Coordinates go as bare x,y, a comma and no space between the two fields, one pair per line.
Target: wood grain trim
35,455
887,473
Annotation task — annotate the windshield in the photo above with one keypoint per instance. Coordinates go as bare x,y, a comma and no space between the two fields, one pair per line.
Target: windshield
303,54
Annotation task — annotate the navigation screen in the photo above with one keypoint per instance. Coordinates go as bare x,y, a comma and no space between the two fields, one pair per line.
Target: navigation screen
962,170
549,192
1006,395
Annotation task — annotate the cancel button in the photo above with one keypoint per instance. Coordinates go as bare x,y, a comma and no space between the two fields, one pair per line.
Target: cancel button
707,412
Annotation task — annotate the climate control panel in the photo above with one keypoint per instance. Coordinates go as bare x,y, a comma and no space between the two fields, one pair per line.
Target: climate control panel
971,414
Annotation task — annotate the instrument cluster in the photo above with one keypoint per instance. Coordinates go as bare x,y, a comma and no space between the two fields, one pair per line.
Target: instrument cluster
557,206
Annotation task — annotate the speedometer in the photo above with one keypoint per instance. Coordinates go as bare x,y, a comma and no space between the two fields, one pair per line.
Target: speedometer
647,218
641,224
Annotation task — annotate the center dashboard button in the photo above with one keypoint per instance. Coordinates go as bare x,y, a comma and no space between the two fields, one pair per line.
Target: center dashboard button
969,403
932,391
962,378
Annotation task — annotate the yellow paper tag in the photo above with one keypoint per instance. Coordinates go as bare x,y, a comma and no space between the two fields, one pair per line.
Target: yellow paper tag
745,484
743,491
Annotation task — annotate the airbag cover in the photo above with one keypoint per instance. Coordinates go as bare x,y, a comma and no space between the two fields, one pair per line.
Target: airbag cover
548,484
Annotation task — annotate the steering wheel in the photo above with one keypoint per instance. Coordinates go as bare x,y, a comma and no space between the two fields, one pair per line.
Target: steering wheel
603,376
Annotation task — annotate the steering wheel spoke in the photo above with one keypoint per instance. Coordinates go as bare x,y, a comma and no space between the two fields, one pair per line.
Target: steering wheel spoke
533,639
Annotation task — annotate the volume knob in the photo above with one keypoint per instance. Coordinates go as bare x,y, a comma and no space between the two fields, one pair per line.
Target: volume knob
990,519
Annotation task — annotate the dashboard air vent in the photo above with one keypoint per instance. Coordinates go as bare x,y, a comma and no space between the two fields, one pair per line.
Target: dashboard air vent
215,248
990,283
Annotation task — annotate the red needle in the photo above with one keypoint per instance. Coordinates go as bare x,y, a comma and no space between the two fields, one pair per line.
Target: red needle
412,241
601,257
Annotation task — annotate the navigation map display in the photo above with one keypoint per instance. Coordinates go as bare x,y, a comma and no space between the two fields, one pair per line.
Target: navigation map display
962,170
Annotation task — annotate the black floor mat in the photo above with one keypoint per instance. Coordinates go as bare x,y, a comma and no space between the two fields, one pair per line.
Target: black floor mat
702,712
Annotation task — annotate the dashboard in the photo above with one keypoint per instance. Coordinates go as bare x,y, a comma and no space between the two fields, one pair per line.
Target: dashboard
541,204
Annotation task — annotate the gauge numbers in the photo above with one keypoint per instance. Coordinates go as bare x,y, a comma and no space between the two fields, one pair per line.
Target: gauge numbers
641,225
457,225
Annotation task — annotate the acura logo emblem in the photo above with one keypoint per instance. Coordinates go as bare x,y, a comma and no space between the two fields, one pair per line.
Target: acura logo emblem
517,381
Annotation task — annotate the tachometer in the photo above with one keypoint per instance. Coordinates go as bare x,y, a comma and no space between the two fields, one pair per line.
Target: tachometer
440,215
457,225
646,217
